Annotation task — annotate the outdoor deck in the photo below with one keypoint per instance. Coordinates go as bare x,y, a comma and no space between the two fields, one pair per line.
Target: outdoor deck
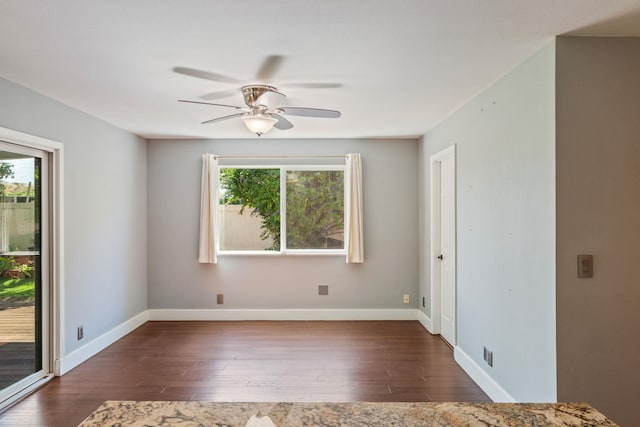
17,341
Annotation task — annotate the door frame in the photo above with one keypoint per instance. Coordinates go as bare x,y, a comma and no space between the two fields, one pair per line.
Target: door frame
55,163
435,232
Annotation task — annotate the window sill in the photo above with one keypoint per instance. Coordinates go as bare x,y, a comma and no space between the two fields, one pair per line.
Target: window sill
287,253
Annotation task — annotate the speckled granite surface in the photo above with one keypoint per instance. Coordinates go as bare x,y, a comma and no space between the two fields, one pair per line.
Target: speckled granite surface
200,414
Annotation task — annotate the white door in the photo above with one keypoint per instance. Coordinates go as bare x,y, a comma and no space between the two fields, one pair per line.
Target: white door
447,251
443,244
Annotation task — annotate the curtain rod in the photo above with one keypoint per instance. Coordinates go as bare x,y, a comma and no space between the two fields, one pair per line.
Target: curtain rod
279,157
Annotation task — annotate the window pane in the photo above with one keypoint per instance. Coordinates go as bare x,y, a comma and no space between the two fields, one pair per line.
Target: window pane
20,272
315,210
249,209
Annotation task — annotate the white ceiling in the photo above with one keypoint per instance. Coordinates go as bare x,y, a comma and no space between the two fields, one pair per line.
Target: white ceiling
403,66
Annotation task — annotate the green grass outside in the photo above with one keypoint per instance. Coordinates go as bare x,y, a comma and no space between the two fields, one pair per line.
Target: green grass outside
17,289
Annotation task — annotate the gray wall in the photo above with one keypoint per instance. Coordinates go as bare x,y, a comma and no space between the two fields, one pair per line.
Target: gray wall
505,226
177,280
105,210
598,205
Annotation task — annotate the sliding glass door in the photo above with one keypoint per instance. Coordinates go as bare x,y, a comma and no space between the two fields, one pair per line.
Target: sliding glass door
24,268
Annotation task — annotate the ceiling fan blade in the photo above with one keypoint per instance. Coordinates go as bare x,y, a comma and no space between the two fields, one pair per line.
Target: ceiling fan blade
211,103
207,75
309,112
282,124
269,67
219,94
219,119
312,85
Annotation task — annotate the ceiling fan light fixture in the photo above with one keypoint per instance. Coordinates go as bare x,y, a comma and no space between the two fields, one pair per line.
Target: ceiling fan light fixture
259,123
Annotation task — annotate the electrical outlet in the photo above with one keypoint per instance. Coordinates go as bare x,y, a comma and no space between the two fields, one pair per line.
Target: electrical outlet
488,356
80,332
220,299
323,290
406,299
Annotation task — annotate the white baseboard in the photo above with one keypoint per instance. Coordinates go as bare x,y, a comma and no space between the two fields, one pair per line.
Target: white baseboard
283,314
425,321
76,357
484,380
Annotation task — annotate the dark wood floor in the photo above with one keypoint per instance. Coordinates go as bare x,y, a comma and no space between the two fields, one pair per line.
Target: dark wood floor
255,361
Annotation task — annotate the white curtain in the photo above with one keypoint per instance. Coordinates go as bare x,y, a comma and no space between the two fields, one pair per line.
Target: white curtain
353,209
207,252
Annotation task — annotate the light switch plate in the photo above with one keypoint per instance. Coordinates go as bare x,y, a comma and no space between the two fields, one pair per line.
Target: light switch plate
585,266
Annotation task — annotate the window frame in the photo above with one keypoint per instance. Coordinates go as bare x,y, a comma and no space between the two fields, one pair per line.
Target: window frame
283,212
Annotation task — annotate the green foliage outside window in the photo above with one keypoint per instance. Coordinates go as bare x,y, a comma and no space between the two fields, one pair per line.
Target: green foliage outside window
315,209
314,204
6,171
259,190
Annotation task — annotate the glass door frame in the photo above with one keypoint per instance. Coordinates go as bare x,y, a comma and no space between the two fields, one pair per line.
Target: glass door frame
52,313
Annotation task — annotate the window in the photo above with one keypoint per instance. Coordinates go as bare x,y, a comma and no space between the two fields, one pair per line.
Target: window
288,209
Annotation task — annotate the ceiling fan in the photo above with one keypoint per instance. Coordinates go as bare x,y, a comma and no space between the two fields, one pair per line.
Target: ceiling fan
259,117
262,111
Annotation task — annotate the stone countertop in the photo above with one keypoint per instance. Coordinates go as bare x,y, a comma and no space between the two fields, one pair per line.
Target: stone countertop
200,414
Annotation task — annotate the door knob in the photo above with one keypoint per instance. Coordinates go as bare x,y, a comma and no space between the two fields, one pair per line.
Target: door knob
440,257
